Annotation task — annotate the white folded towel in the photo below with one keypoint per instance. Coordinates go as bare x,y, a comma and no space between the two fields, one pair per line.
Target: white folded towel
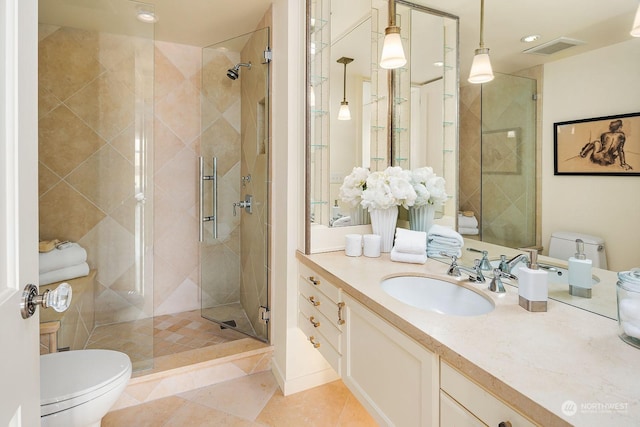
470,231
410,241
467,221
70,255
410,258
343,221
445,235
434,250
67,273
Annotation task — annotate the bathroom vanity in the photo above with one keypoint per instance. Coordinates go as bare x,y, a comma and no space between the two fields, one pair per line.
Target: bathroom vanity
409,366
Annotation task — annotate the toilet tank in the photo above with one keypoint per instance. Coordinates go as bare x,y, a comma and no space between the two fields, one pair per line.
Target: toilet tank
562,245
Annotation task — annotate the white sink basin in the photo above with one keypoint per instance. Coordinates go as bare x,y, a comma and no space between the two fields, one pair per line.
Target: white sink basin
437,295
556,274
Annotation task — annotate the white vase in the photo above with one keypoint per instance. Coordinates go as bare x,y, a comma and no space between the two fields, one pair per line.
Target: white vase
359,216
421,217
383,222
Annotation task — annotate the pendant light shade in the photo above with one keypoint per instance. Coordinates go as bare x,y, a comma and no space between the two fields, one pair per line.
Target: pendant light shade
392,51
635,30
344,113
481,71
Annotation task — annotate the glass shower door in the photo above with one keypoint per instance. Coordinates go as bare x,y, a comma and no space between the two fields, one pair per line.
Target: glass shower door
234,177
509,161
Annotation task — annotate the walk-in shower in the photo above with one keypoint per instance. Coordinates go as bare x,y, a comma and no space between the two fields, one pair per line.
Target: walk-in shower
122,121
234,73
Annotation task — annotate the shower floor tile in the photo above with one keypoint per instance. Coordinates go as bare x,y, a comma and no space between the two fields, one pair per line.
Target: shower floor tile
161,336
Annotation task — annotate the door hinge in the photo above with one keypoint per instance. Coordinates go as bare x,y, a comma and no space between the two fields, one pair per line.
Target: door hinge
534,97
268,55
265,314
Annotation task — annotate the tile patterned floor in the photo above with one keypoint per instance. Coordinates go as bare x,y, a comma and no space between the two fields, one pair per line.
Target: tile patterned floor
250,401
172,333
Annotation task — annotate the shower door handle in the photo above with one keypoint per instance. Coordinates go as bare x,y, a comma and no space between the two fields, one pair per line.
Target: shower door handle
214,190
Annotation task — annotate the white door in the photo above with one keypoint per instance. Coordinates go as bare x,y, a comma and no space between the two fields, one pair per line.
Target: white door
19,357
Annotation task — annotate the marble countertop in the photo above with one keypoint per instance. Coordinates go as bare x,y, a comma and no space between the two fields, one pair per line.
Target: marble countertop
536,362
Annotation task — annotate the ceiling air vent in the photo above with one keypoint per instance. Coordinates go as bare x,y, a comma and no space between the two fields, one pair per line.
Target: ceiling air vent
554,46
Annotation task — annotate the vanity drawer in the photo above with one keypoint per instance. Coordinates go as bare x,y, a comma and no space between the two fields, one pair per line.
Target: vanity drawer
483,405
323,325
320,342
311,296
319,283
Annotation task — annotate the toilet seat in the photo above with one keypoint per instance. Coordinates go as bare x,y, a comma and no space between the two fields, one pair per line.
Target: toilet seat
71,378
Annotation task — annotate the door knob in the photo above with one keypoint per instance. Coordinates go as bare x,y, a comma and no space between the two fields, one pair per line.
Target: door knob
59,299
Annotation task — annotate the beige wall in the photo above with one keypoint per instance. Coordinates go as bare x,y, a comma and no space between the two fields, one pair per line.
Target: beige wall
600,83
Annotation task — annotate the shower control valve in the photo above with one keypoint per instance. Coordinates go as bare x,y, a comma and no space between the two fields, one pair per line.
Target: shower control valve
244,204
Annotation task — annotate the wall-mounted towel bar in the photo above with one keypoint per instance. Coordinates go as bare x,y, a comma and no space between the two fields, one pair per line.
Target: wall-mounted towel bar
214,190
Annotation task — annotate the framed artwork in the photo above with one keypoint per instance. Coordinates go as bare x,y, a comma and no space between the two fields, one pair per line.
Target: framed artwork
599,146
501,151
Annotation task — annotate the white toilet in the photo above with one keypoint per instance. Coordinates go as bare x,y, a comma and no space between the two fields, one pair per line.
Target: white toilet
77,388
562,245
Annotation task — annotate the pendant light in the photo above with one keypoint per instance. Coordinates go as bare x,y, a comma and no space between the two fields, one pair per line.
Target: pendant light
344,113
481,71
635,30
392,51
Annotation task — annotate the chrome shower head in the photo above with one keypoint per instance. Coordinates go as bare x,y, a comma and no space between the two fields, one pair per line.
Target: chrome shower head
234,73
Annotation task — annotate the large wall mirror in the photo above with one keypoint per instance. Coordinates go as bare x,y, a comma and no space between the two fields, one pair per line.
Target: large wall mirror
405,117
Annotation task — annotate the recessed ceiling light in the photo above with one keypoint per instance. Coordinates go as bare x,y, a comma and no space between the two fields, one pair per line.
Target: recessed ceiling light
146,16
530,38
438,64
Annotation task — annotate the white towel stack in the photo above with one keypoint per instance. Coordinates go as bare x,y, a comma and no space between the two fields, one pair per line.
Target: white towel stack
443,239
67,261
410,246
468,224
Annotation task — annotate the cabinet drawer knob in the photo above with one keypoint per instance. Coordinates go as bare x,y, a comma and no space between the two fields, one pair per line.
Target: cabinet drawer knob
313,301
312,340
313,322
313,280
340,319
505,424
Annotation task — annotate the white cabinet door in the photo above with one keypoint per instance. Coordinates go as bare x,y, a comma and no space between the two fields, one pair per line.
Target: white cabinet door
393,376
20,363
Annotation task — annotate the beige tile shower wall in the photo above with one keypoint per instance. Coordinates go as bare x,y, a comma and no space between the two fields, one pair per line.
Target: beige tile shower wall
221,127
255,148
177,132
90,85
470,148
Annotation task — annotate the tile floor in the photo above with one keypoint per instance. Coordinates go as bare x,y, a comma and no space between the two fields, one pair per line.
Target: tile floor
254,400
172,333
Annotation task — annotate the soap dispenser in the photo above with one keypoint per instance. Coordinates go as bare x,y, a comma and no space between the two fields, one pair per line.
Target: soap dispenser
579,276
533,289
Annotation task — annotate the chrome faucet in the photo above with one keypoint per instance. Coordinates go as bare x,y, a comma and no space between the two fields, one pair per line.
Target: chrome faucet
496,283
507,266
455,270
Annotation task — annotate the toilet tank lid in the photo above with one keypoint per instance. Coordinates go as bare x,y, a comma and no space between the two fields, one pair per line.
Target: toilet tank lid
586,238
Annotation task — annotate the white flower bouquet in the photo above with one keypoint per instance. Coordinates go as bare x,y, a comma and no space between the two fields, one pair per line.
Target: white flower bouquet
353,186
428,186
391,187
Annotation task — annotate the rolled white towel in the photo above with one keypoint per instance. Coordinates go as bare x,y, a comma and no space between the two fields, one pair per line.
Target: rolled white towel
445,235
70,255
67,273
467,221
410,241
343,221
629,309
631,329
410,258
468,231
